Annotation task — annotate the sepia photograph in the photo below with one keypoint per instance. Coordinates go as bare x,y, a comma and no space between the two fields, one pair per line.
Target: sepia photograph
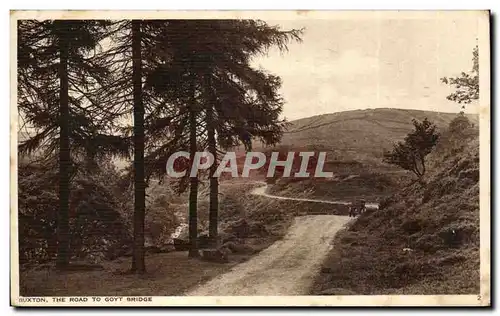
250,158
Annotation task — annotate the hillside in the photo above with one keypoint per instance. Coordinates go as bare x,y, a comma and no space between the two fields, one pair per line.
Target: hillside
360,134
424,238
354,142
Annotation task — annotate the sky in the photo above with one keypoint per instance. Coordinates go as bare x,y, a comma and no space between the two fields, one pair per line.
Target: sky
348,64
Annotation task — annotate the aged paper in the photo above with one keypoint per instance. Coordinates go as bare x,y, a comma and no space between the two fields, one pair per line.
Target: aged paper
109,107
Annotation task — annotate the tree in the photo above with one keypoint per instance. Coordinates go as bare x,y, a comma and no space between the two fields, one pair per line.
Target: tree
132,53
138,263
193,184
58,99
236,119
460,125
237,101
467,84
64,149
240,102
213,208
410,154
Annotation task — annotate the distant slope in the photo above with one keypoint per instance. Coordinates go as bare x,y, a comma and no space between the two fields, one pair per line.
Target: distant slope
354,142
360,134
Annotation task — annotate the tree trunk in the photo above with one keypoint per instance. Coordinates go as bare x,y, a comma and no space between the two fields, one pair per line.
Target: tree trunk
415,169
64,158
423,166
138,264
193,190
214,183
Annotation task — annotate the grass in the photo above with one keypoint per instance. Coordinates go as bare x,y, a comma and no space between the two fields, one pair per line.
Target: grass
424,239
167,274
372,186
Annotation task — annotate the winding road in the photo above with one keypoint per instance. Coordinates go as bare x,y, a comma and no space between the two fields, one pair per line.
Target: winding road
262,192
288,266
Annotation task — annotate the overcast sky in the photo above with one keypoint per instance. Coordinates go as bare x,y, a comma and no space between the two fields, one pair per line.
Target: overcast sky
371,63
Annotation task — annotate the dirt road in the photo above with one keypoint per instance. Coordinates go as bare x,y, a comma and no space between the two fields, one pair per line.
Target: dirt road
285,268
262,192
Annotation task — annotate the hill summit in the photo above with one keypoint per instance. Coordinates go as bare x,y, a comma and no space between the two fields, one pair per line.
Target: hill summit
360,134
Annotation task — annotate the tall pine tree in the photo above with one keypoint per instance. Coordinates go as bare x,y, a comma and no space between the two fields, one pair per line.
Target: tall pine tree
60,73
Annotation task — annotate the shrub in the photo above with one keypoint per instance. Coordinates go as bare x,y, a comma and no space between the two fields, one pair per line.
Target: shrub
97,227
410,154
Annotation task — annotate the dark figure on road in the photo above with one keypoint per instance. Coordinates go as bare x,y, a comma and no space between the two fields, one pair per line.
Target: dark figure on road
357,208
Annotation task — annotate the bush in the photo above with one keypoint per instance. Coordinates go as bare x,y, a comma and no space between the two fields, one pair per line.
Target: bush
161,221
460,131
97,228
410,154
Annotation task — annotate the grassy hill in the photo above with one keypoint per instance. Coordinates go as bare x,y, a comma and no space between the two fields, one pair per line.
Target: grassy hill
354,142
360,134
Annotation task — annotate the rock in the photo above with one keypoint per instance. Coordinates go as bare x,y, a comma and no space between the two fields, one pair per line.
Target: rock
226,237
243,229
224,251
181,244
226,247
160,248
167,248
204,241
214,255
230,246
238,248
151,249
